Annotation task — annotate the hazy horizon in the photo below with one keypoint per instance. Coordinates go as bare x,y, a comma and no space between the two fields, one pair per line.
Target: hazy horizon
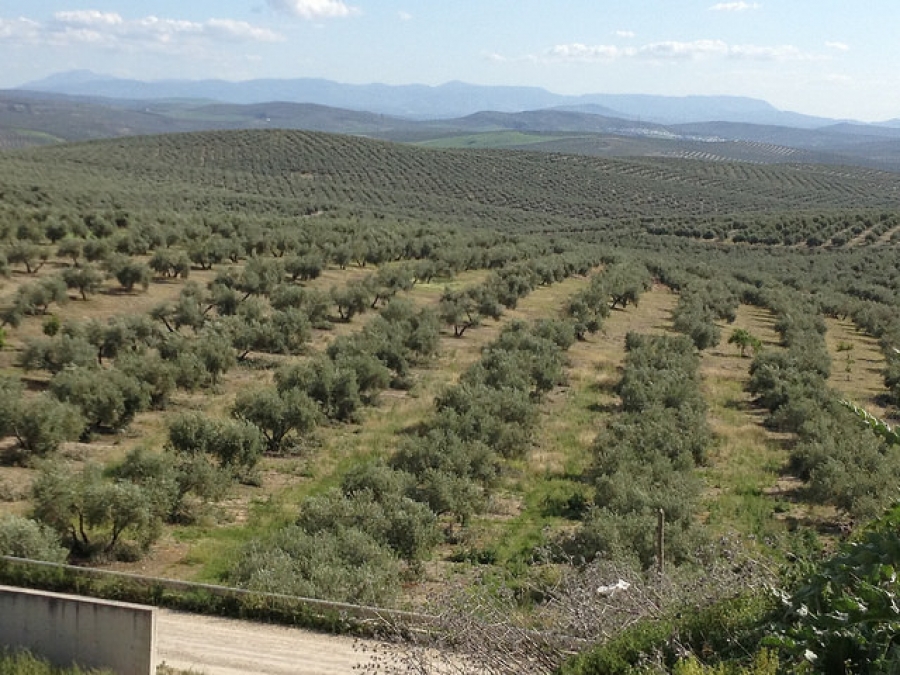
818,58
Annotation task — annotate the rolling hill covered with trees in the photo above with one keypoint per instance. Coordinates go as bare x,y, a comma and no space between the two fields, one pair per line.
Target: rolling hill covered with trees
343,368
752,132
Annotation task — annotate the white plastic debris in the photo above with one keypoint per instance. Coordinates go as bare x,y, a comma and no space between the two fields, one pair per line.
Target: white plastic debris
620,585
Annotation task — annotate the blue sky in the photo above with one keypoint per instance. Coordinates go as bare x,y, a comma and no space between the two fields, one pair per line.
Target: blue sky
834,58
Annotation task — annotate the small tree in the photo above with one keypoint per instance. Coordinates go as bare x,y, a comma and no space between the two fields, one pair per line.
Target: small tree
350,300
27,254
208,252
346,565
388,281
259,277
215,352
71,247
94,514
235,444
86,279
130,273
745,340
468,308
281,416
625,283
42,423
170,263
96,250
108,399
34,299
305,267
847,349
57,353
157,376
333,386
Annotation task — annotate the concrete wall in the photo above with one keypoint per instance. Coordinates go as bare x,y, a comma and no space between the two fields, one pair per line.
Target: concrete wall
68,629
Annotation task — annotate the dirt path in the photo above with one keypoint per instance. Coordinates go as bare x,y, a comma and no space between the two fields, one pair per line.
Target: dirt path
214,646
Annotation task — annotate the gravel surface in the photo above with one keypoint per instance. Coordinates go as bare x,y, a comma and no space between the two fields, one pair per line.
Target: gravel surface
214,646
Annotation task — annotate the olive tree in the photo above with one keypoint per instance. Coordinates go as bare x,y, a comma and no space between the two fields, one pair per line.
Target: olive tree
41,424
283,417
94,515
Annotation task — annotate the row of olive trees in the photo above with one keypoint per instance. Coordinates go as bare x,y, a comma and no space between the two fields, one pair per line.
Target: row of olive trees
35,298
176,243
621,284
104,373
357,542
701,303
118,512
469,307
111,371
843,463
645,458
336,385
880,320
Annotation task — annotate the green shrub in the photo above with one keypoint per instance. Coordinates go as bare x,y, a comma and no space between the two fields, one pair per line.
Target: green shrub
26,538
721,638
844,617
624,654
41,424
345,565
21,662
109,399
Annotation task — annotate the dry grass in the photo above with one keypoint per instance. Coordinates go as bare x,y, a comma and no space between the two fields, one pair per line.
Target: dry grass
857,365
398,412
749,487
745,474
286,481
569,417
569,420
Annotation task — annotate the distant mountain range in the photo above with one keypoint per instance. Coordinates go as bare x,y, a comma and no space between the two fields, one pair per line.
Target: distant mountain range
454,99
82,105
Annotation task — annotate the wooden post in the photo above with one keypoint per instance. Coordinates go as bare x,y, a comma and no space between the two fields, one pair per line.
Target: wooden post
660,542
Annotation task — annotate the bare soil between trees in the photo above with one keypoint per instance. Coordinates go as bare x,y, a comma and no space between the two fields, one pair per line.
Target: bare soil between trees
215,646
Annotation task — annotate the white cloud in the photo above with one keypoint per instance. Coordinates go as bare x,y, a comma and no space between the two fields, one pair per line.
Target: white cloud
684,50
625,33
313,9
838,46
240,30
19,30
405,16
777,53
734,6
674,50
113,31
579,52
496,57
89,17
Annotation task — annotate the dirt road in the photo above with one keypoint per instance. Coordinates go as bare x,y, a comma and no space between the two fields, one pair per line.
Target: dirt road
214,646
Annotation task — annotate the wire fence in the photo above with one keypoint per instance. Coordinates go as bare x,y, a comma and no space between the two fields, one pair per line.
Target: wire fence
312,613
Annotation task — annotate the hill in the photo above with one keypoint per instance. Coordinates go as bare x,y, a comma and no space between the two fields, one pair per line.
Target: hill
291,171
331,366
34,118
